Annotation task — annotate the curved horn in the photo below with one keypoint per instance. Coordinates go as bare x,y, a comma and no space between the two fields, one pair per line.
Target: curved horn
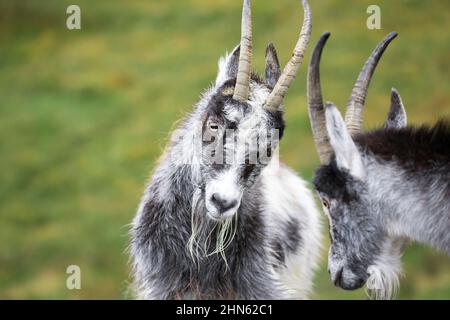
355,105
316,110
275,98
242,88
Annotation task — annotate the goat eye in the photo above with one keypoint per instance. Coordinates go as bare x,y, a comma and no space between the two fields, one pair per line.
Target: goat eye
213,126
326,204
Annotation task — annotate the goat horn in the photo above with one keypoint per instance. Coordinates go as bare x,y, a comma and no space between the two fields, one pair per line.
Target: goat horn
276,97
242,88
355,105
315,104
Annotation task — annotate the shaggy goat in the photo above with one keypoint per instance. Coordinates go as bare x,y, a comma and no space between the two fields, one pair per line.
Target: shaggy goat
214,223
379,189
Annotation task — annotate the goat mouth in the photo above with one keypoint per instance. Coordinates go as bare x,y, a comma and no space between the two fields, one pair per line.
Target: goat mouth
352,286
338,278
221,216
214,217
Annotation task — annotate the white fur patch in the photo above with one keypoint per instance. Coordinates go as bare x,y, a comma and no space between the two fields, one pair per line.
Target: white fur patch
287,197
227,187
383,281
347,155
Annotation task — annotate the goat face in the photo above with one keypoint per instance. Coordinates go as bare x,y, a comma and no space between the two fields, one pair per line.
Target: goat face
355,233
238,137
361,250
242,121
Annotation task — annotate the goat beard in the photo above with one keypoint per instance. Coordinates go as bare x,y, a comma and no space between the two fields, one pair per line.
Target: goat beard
383,282
202,229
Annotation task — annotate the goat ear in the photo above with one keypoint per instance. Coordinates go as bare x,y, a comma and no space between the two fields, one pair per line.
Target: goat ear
345,150
273,71
228,66
397,114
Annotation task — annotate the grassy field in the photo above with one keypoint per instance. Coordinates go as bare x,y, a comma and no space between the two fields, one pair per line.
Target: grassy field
85,114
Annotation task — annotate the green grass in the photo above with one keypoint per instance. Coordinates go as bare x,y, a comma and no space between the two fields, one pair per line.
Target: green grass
85,114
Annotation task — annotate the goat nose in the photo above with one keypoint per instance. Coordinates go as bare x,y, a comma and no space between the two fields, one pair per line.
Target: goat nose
222,204
338,277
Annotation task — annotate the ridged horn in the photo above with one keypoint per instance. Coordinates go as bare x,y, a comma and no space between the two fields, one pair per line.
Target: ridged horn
355,105
242,88
316,109
278,93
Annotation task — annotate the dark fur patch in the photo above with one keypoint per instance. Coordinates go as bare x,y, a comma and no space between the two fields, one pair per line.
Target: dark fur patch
276,117
335,183
412,147
293,240
218,101
216,105
288,245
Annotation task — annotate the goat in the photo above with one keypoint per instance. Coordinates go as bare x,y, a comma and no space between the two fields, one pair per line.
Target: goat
379,189
234,229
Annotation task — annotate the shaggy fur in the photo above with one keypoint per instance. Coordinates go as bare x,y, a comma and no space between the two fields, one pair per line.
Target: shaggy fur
379,189
414,148
266,248
403,194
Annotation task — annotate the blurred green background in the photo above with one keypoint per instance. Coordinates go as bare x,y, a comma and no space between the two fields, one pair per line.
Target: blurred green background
84,114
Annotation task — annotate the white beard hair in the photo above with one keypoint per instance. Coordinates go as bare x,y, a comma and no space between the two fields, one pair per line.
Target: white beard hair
384,275
225,231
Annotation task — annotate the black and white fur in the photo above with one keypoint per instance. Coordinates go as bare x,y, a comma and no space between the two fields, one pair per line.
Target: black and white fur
380,190
226,231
